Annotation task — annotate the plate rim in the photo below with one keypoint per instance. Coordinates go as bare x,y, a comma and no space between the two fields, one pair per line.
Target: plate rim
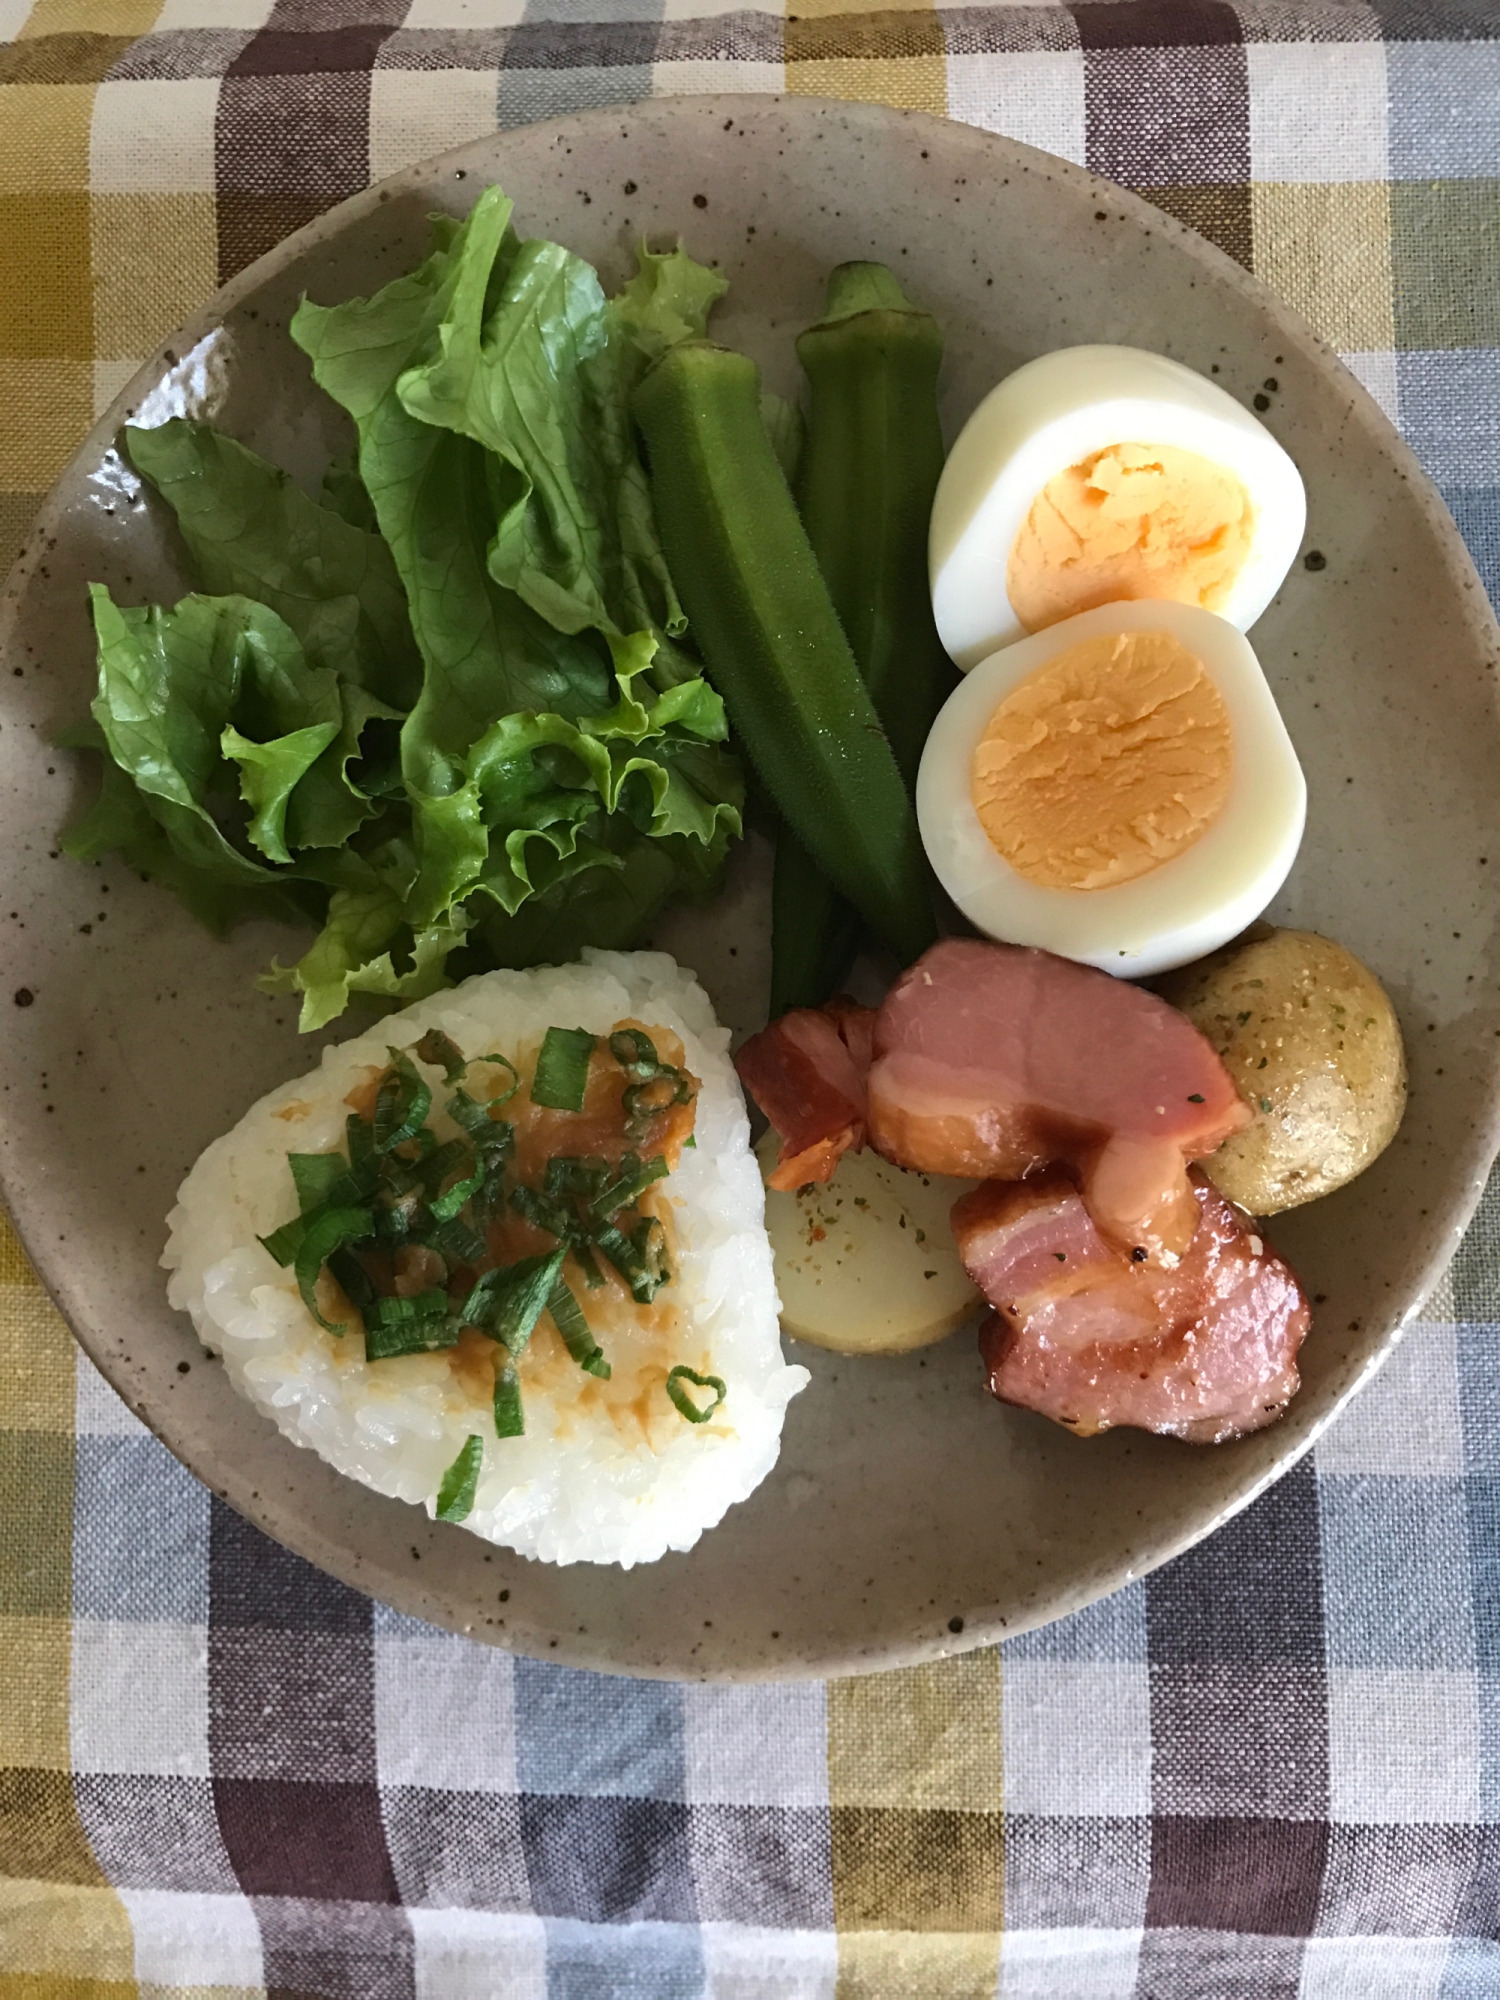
1471,603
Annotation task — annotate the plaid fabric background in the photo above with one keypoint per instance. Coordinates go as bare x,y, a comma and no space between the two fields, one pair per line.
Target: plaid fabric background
1271,1770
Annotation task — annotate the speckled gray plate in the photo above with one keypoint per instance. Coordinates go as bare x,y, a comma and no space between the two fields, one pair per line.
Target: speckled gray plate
910,1516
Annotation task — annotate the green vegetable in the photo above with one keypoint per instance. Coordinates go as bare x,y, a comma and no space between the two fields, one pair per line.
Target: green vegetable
562,1069
331,1230
315,1175
762,614
252,532
787,432
640,1257
489,389
447,1205
493,1140
655,1086
510,1419
684,1402
507,1302
644,1103
867,474
631,1181
455,1496
401,1104
119,823
815,933
171,683
575,539
567,1317
354,952
449,709
419,1325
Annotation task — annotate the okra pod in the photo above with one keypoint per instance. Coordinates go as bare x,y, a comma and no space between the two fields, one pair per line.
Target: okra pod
771,639
869,469
814,931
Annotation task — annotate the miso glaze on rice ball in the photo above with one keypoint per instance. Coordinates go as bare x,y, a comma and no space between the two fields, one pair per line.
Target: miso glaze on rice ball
505,1256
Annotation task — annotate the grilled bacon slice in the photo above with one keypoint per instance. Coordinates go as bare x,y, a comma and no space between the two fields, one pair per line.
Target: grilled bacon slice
993,1061
1092,1338
806,1071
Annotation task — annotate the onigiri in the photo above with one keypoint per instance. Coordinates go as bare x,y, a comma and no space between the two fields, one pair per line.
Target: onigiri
504,1257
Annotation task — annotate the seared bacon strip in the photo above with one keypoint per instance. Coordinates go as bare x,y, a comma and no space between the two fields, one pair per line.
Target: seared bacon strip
806,1071
1090,1337
993,1061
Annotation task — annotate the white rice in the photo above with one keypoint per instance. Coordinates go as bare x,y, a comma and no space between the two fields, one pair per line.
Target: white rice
588,1482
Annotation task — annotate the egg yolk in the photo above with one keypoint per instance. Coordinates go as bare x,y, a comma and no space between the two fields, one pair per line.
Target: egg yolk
1132,521
1105,763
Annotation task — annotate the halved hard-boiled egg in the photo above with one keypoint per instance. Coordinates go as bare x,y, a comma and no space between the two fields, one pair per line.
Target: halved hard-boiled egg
1119,789
1099,473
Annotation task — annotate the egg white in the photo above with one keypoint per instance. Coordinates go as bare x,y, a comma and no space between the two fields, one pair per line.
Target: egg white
1182,909
1058,410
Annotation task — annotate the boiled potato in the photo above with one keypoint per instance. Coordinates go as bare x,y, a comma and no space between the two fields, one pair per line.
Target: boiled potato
1308,1034
866,1262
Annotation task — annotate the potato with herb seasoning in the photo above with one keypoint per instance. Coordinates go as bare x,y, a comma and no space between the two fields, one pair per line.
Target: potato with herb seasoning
1310,1036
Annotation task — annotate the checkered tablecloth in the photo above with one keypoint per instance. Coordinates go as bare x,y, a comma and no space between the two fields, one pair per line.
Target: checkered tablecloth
1271,1770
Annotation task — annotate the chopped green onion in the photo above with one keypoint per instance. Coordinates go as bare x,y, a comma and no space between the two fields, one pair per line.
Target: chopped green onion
568,1174
315,1175
631,1182
403,1220
455,1497
443,1053
456,1242
284,1243
328,1233
429,1174
562,1069
645,1102
420,1325
584,1258
345,1189
507,1303
684,1402
446,1206
542,1213
493,1140
359,1287
635,1052
639,1257
398,1310
567,1317
359,1135
401,1105
510,1419
691,1140
504,1062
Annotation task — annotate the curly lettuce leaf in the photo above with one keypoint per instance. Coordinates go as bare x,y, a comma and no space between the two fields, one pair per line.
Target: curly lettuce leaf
485,653
269,774
119,823
353,954
559,772
185,694
669,299
533,362
252,532
534,783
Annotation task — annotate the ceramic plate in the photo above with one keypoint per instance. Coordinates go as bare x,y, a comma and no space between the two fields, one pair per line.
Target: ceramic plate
910,1516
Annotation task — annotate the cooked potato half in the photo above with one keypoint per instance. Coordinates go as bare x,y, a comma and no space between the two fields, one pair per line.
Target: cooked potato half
1308,1034
866,1262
